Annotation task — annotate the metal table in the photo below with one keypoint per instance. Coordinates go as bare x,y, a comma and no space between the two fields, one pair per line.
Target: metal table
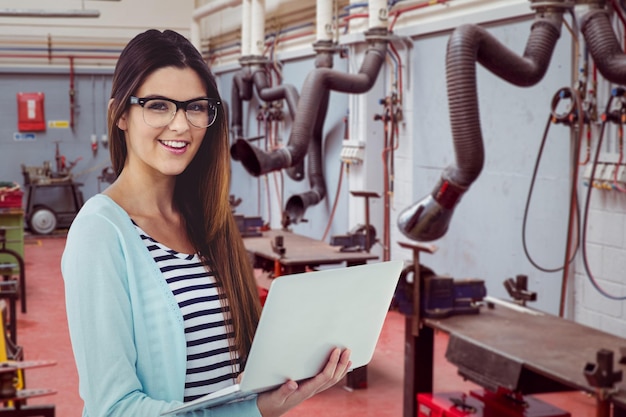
300,253
544,353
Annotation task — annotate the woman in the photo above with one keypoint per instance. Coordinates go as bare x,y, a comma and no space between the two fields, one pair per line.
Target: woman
161,301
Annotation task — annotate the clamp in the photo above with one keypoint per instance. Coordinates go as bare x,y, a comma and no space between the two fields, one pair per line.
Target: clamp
601,376
518,289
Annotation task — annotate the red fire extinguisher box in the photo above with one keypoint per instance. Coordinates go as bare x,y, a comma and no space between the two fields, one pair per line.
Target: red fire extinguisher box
30,114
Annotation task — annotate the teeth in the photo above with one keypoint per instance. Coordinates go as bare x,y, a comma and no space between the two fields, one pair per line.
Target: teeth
174,143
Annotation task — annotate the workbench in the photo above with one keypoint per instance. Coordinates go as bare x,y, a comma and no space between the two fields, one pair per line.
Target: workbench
62,199
302,253
531,351
12,256
12,220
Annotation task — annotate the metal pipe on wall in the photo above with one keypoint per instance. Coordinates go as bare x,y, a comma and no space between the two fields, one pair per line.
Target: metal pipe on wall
257,28
378,14
246,31
242,87
324,21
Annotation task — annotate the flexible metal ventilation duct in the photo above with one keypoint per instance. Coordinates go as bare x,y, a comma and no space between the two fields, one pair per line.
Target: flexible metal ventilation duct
297,204
307,131
243,82
603,45
253,73
316,85
428,219
241,91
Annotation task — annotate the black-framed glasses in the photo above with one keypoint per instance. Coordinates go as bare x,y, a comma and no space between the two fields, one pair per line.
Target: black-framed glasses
160,111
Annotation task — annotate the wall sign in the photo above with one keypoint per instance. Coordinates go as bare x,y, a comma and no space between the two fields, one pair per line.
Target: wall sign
30,114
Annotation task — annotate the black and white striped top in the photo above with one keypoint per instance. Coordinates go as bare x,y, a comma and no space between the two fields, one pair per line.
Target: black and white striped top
210,363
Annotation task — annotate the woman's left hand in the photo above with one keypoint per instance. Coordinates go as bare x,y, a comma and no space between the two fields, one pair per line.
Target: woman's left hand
277,402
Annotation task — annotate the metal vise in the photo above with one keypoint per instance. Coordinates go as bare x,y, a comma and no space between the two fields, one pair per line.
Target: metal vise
249,226
445,296
359,239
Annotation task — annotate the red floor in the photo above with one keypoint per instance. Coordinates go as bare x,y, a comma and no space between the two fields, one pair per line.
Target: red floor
42,332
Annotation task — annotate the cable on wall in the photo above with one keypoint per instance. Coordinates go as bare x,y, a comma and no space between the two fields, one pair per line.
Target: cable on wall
616,93
334,208
620,159
568,118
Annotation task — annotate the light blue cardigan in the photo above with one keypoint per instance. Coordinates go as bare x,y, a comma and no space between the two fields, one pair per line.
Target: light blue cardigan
126,328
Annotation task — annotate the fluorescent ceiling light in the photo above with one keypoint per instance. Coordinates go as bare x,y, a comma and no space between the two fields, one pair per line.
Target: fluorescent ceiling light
48,13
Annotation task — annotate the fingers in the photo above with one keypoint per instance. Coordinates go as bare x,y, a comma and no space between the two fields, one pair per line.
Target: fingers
288,395
285,390
344,361
338,365
332,364
334,371
275,403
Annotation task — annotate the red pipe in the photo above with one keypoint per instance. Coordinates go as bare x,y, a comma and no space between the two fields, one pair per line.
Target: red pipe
399,58
356,16
397,13
72,93
30,56
387,154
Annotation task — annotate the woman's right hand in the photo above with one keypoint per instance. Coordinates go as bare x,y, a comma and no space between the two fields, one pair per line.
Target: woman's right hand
277,402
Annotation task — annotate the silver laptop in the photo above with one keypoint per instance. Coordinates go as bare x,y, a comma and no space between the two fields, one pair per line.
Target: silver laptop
307,315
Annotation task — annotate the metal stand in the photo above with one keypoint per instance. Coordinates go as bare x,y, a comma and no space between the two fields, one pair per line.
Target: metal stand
367,195
419,341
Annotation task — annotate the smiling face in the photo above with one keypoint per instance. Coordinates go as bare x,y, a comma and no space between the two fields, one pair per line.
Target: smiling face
167,150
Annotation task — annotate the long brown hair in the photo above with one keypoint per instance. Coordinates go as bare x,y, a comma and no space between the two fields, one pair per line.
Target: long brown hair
202,191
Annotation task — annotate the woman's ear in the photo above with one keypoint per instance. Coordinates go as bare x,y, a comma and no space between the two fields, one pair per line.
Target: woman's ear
122,124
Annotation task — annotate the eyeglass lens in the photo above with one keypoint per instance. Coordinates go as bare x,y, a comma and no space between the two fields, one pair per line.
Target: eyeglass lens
159,112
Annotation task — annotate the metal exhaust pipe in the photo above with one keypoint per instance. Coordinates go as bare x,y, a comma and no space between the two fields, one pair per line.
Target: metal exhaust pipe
429,218
257,161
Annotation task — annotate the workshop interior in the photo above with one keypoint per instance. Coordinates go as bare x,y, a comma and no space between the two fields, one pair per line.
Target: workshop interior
481,142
